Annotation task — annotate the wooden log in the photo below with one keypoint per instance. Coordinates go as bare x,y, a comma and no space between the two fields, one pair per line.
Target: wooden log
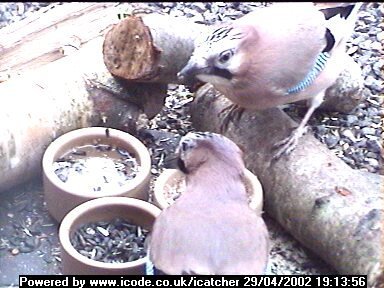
332,209
149,97
61,96
47,36
347,92
150,48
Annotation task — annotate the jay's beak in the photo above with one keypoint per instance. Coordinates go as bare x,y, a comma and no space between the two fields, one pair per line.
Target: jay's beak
188,74
193,71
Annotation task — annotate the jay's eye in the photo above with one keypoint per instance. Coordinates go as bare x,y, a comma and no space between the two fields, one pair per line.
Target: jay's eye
225,56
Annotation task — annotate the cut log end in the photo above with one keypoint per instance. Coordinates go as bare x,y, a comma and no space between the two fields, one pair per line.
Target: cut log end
129,51
151,47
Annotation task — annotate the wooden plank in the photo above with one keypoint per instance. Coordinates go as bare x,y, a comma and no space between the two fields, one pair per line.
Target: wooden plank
48,36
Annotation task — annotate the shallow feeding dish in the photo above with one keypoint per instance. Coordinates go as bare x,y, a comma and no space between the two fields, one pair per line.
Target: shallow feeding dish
93,162
104,210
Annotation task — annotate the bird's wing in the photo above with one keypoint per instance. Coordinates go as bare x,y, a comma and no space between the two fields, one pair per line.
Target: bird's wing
230,240
340,20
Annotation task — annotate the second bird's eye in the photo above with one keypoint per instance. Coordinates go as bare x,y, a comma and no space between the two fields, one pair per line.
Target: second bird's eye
184,146
225,56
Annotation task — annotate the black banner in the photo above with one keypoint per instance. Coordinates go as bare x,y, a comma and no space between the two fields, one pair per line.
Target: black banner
82,281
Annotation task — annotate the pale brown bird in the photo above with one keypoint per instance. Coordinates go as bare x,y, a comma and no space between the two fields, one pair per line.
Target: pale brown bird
210,229
276,55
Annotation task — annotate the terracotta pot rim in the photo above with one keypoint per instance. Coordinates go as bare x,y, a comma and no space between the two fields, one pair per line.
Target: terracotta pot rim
161,181
94,204
140,149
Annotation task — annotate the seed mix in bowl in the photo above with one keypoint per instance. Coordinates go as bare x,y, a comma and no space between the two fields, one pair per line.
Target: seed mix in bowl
96,167
174,190
114,241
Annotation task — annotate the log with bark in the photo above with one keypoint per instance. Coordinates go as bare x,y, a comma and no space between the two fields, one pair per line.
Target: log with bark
48,94
330,208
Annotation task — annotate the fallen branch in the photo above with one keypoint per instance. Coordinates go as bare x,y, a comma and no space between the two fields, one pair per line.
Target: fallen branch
46,94
330,208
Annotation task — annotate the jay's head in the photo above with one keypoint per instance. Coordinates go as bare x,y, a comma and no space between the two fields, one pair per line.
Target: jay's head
216,58
199,149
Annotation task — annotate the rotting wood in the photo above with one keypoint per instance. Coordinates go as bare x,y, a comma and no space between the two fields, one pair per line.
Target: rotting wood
150,48
302,190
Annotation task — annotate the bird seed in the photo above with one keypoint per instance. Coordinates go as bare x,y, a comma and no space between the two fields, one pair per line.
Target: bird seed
115,241
97,167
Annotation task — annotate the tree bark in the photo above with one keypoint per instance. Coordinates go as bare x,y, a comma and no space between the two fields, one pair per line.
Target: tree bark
150,48
330,208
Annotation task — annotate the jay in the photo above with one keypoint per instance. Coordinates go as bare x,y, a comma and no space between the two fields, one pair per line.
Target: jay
276,55
210,229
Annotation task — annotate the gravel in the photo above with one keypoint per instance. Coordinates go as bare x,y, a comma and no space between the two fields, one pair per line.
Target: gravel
355,137
14,11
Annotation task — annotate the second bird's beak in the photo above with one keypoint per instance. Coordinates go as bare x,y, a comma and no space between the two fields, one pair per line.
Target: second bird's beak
174,162
171,161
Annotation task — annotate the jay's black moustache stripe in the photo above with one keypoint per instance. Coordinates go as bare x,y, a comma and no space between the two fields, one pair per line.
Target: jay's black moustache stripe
181,165
222,73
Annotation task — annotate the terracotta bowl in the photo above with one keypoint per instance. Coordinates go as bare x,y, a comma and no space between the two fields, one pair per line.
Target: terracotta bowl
172,180
61,197
135,211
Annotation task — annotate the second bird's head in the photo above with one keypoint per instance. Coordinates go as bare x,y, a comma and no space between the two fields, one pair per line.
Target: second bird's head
205,148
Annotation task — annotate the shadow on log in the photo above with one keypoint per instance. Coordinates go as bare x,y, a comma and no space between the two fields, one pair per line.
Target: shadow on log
332,209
